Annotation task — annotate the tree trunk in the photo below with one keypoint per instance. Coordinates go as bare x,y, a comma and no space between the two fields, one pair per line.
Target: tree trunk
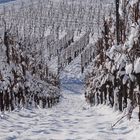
117,22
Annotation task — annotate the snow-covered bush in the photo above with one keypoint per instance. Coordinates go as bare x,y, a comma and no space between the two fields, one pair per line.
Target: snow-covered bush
116,68
25,79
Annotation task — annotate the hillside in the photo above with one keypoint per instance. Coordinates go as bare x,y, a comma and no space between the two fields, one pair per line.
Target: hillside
70,70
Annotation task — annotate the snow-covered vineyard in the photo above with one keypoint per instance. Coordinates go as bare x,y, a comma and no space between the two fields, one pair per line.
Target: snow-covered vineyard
69,70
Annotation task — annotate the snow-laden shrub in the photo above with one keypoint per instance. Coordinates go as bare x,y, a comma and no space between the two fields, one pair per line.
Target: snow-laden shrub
25,79
116,71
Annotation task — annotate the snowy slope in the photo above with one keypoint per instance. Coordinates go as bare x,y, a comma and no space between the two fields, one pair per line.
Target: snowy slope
72,73
72,119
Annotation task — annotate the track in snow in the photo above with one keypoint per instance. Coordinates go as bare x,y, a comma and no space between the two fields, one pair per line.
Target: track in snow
72,119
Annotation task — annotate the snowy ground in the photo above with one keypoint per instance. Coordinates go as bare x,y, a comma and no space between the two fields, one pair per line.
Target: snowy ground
72,119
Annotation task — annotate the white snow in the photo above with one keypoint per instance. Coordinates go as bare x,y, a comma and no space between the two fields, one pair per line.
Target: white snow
129,68
137,66
133,34
72,73
72,119
132,2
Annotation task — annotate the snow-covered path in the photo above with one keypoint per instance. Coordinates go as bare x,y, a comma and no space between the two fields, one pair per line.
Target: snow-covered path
72,119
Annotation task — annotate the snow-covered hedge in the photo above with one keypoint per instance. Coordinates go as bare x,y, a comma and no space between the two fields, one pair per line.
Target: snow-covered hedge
115,76
25,79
